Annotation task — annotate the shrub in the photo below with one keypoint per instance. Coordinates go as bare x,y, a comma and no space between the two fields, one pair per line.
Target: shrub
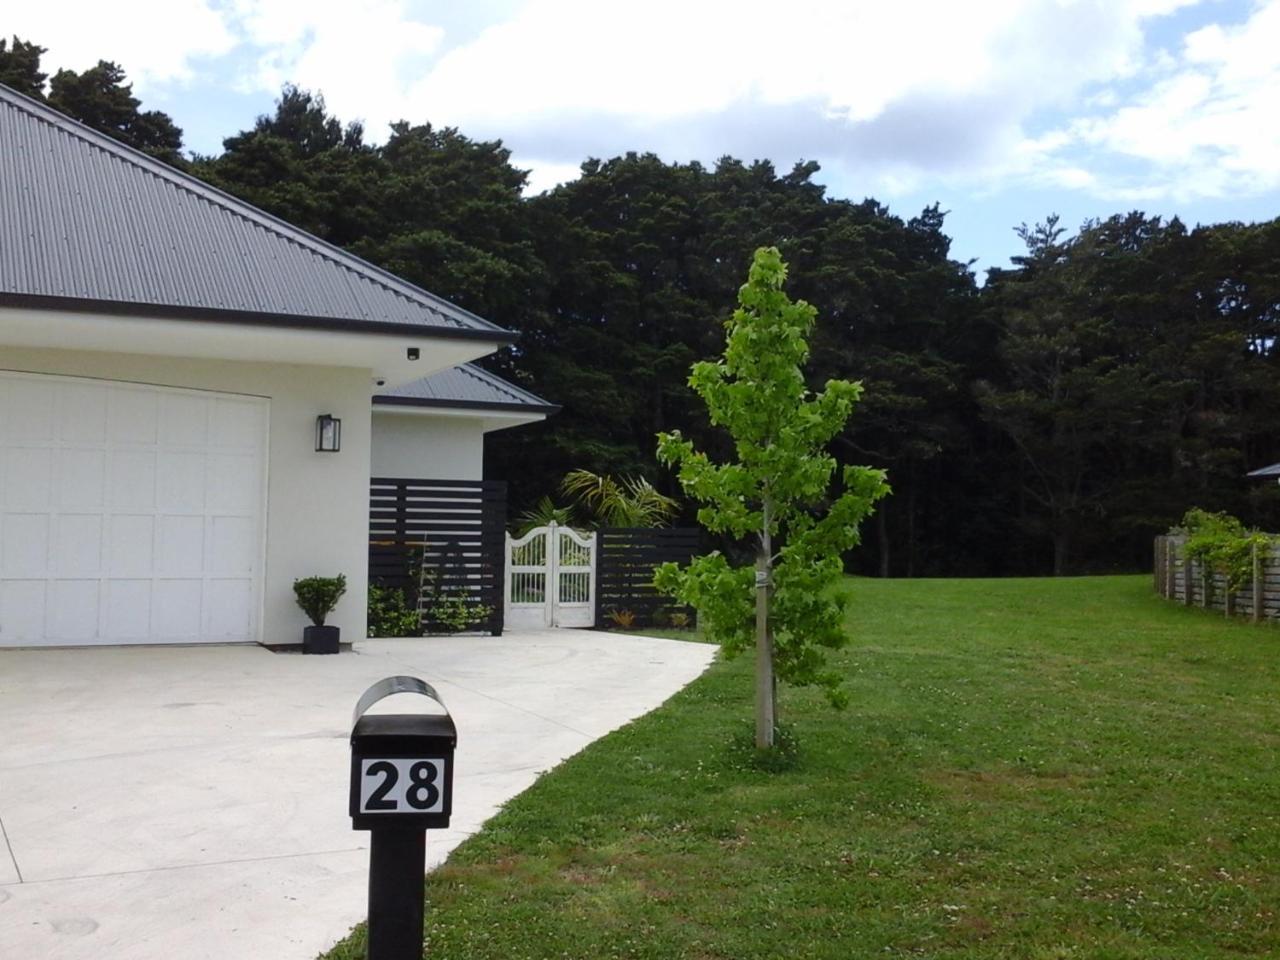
1221,543
679,619
451,607
390,614
317,596
454,611
622,619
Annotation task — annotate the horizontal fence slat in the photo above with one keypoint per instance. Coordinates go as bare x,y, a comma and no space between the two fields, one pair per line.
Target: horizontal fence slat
448,534
625,562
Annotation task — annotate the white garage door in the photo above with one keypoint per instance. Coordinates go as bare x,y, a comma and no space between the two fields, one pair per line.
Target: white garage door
129,513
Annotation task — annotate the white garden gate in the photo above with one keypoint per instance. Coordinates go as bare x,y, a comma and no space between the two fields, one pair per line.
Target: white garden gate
551,579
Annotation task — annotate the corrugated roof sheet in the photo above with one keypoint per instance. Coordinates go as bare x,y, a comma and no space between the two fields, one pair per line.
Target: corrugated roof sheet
84,218
1271,471
465,386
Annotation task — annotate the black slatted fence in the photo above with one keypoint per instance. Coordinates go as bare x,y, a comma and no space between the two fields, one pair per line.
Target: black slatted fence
451,529
625,561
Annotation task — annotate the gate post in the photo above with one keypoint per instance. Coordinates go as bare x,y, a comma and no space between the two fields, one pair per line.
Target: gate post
1257,585
552,593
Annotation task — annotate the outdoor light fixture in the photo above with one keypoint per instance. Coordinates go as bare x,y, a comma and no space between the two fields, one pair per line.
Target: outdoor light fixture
328,434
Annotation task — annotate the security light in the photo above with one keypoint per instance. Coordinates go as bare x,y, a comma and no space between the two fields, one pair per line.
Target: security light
328,434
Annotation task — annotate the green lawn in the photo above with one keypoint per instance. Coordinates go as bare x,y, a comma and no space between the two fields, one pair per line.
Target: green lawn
1029,769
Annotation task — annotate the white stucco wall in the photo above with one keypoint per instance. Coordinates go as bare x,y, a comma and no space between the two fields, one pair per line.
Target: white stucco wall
422,446
317,504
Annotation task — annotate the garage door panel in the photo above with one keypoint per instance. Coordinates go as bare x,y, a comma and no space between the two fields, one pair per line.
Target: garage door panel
73,611
28,476
237,423
229,612
126,611
81,480
129,513
82,414
130,545
181,546
132,415
180,479
234,486
234,548
132,480
176,610
22,609
184,420
77,546
31,404
24,545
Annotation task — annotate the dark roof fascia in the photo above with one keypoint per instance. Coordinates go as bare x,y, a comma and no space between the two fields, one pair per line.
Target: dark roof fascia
495,335
385,400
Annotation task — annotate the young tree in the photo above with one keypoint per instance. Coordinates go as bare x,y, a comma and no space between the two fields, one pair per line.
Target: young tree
775,492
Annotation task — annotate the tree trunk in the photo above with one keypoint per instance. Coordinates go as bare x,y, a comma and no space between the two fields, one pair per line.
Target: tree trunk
766,711
911,527
1061,549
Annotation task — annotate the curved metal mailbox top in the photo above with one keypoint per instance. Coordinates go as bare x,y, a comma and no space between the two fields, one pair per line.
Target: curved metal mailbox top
388,686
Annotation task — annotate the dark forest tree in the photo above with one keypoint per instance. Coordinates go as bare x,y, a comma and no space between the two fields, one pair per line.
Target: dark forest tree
1052,419
99,97
20,67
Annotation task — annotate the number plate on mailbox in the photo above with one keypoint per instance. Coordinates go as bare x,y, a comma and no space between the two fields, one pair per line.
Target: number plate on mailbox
399,785
401,763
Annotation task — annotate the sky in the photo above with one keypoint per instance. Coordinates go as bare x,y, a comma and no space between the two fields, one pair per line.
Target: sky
1001,111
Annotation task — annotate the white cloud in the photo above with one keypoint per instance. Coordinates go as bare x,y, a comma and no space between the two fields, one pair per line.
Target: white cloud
1206,128
153,40
363,54
1067,94
544,175
673,58
893,92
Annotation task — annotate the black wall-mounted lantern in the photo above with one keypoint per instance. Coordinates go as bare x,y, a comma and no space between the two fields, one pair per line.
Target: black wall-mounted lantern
328,434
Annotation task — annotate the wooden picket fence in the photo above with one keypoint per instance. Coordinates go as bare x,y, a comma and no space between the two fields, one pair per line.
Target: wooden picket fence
1191,584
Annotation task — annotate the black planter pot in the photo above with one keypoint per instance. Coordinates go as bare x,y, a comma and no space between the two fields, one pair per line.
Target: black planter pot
320,640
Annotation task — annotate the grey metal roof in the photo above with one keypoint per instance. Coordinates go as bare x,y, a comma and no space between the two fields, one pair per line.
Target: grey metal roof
89,223
467,387
1271,471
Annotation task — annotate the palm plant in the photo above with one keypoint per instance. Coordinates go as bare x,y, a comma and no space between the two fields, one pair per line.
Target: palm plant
542,514
625,502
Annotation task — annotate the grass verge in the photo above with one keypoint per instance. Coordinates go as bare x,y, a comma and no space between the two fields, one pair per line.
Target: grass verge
1043,769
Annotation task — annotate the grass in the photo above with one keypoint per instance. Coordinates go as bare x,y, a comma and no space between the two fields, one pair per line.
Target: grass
1041,769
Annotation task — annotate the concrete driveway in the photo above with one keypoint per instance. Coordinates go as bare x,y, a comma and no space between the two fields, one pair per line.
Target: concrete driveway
192,802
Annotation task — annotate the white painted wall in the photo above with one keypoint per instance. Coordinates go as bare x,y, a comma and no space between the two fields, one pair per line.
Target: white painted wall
423,446
317,503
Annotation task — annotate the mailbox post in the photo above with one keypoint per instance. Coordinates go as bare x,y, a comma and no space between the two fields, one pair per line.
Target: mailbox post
401,785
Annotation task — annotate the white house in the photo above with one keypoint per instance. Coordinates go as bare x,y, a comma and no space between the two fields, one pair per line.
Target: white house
165,353
434,427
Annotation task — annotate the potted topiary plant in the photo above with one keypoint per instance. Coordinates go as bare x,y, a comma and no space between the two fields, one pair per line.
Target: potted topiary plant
317,596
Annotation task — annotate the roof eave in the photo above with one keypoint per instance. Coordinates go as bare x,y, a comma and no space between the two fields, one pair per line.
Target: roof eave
496,335
386,400
1271,471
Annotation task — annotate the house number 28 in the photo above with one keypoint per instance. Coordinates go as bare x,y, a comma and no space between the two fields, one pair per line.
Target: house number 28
401,785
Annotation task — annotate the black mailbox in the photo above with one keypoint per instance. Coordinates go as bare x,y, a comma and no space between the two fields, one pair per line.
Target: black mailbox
401,764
